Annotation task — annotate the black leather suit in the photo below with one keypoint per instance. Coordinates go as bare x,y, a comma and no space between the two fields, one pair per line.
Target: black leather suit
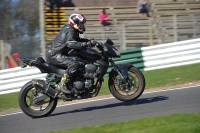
67,39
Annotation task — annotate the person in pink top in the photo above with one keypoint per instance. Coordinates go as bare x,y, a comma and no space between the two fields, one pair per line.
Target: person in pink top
103,19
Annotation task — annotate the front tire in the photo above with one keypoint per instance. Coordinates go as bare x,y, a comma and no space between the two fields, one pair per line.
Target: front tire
35,109
122,93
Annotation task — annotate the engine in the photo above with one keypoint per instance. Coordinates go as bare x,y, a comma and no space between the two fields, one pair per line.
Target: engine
91,71
80,85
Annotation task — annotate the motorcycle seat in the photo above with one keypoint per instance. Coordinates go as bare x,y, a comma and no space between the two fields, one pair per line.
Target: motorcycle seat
53,69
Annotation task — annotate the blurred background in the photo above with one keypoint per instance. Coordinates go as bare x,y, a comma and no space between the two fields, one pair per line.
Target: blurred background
28,27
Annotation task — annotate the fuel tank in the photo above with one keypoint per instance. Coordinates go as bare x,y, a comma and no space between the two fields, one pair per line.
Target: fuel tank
89,54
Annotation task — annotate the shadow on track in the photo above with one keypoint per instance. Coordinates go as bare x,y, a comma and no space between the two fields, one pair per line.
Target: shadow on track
136,102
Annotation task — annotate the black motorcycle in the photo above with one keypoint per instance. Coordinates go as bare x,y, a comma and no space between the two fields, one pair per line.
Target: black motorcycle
38,98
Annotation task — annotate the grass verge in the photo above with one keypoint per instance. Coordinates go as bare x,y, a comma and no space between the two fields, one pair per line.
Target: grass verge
176,123
154,78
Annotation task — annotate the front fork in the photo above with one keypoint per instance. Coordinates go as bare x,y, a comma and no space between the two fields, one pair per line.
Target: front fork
122,71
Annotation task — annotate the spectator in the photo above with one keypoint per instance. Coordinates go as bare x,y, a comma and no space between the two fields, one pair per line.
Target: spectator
103,19
50,4
143,8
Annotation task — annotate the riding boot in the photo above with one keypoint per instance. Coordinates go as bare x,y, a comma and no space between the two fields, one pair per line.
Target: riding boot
69,73
62,85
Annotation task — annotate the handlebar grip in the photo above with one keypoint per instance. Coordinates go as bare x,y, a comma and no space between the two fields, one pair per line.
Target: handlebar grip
97,44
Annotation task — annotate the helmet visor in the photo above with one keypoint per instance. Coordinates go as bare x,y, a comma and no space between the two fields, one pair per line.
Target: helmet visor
82,27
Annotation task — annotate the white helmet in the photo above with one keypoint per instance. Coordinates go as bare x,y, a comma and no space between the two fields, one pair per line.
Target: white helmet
78,22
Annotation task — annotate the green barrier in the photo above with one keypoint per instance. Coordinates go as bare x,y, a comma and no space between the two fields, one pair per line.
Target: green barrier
131,56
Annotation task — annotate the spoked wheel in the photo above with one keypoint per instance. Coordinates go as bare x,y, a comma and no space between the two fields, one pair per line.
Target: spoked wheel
129,90
31,104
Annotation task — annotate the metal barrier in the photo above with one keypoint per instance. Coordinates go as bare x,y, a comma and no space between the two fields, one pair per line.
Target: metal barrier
145,58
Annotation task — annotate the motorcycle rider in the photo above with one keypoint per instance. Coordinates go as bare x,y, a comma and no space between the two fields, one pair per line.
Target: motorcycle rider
66,40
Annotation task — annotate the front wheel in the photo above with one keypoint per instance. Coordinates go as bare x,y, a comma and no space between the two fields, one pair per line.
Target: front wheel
29,104
129,90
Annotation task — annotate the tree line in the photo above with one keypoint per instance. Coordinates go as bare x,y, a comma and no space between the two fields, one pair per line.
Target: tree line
19,26
19,18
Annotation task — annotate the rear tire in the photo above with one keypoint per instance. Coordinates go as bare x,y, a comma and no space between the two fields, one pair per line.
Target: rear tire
26,94
123,94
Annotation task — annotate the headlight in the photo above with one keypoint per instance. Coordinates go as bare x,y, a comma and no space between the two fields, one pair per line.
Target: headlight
117,52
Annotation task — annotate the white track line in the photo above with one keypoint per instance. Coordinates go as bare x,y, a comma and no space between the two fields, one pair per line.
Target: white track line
108,98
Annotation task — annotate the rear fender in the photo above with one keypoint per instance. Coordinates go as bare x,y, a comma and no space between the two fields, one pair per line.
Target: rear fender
37,62
43,66
32,61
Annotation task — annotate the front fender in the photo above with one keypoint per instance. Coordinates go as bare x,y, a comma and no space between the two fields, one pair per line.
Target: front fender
123,68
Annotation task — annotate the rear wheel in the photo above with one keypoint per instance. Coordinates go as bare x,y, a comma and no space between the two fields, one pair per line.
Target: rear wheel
30,105
124,91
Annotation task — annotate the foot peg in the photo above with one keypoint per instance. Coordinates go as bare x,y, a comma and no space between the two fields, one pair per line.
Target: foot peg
64,89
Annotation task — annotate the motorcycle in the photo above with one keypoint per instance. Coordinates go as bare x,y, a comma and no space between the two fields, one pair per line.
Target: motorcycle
39,98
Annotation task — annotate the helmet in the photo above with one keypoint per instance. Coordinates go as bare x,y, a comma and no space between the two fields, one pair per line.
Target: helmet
78,22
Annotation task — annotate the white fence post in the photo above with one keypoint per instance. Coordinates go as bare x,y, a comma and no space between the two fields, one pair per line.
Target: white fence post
42,37
102,34
2,54
150,33
194,26
175,29
123,45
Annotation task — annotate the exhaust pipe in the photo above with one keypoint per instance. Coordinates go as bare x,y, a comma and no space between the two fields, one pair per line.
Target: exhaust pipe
39,84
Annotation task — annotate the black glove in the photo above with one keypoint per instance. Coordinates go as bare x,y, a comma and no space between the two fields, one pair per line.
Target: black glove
89,44
98,45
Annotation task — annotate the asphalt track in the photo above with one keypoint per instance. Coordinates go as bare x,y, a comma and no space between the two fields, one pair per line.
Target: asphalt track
177,100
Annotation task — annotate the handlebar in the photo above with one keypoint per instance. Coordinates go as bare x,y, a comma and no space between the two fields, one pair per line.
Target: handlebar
98,45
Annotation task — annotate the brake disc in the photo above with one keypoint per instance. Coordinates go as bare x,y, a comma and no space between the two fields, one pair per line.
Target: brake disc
34,101
126,87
